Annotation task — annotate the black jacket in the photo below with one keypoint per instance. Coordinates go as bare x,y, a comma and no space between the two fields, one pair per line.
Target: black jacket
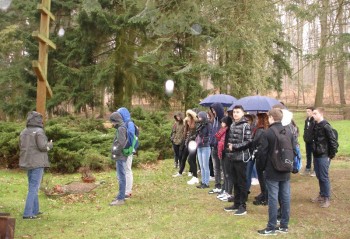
308,128
324,141
266,150
240,136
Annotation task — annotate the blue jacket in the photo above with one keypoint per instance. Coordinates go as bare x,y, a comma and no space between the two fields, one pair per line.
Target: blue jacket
124,112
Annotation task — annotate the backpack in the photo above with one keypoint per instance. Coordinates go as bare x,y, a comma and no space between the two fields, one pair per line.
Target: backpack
283,154
297,163
132,139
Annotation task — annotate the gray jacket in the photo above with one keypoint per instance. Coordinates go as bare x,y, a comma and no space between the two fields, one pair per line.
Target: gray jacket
34,144
120,138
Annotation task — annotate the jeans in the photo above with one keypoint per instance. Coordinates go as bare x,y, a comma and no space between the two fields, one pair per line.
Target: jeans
120,165
217,166
277,189
203,155
321,166
128,175
308,147
250,169
32,203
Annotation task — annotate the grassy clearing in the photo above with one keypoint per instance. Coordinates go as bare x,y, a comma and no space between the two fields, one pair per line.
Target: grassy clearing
164,207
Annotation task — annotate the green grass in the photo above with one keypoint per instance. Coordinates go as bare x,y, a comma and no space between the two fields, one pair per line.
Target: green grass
166,207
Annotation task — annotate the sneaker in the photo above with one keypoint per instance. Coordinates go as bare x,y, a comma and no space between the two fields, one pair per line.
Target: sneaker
117,203
267,232
177,175
306,172
241,211
231,199
255,181
221,195
318,199
313,174
282,229
259,196
203,185
225,197
128,196
193,180
211,179
260,202
214,190
200,185
233,208
31,217
189,174
326,203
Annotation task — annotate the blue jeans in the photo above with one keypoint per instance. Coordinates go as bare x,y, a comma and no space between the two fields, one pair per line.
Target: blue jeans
32,203
308,148
251,172
275,189
203,155
321,166
120,165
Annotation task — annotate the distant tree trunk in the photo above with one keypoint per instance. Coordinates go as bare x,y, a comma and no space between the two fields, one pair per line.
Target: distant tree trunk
341,61
322,59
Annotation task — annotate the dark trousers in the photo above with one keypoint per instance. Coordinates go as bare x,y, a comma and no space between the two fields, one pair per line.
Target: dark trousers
217,166
237,177
191,160
308,147
262,183
177,154
211,168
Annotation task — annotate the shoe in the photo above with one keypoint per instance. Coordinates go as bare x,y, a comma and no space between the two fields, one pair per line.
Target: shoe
202,186
177,175
193,180
211,179
233,208
214,190
39,213
281,229
128,196
199,186
306,172
117,203
221,195
231,199
318,199
259,196
255,181
189,174
260,202
313,174
225,197
326,203
241,211
267,232
31,217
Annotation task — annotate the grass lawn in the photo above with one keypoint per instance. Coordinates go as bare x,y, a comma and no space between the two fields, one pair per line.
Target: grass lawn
166,207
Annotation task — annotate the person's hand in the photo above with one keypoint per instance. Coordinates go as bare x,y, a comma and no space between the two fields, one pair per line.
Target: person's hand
230,146
49,145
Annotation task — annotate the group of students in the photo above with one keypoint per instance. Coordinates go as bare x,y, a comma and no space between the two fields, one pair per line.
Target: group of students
236,142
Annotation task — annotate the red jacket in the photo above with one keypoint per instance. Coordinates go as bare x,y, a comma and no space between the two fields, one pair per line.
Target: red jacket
220,136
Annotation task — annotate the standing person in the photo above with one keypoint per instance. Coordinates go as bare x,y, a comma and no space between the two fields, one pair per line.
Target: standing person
218,111
177,137
124,112
119,143
33,145
325,146
308,127
190,135
277,183
238,154
203,147
211,168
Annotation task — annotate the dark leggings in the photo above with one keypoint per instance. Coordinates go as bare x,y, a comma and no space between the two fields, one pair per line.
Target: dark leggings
191,160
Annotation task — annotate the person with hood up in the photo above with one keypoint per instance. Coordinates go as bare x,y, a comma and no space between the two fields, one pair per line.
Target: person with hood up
33,157
203,147
119,143
218,112
124,112
177,137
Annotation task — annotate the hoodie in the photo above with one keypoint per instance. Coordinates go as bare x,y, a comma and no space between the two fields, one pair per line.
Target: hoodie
220,113
120,139
34,144
203,130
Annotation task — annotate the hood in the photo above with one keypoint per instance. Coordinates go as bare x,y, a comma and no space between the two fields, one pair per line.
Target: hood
124,112
180,114
204,117
35,119
286,117
191,113
227,120
219,109
116,119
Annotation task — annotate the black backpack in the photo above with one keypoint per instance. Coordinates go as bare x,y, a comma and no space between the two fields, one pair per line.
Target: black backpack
283,154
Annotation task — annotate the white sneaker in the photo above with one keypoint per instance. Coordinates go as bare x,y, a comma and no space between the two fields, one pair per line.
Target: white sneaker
255,181
177,175
211,179
223,194
193,180
225,197
189,174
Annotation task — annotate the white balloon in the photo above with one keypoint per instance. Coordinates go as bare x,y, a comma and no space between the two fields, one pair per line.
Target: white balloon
169,87
61,32
192,146
4,4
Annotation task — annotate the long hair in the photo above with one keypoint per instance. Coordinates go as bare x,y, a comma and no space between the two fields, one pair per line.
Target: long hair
262,121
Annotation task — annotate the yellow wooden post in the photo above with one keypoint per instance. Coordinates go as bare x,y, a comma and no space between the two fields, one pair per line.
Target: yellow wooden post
40,66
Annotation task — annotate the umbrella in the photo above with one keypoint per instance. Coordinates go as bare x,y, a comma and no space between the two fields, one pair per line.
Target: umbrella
225,100
256,103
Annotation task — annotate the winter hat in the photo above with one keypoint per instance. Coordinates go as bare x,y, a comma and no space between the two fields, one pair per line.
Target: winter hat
203,116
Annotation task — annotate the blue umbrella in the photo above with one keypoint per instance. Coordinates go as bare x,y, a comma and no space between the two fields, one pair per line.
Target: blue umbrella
256,103
225,100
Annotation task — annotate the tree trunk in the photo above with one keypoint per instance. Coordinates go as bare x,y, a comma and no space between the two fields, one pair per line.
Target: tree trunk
341,61
322,59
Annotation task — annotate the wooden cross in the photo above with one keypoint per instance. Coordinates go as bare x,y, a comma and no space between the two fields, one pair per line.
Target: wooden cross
40,67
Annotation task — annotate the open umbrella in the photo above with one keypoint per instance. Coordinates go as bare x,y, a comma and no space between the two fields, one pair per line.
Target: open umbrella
225,100
256,103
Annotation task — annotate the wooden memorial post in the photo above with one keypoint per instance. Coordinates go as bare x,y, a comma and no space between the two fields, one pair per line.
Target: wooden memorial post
40,66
